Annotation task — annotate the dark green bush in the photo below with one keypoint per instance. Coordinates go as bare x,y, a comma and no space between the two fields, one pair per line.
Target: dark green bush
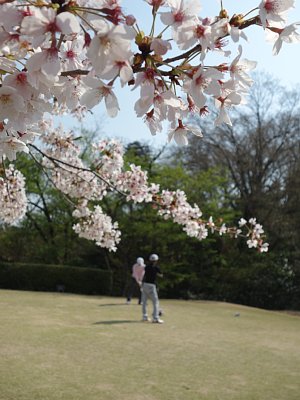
42,277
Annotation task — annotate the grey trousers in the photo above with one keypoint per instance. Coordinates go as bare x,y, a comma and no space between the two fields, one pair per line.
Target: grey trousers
149,292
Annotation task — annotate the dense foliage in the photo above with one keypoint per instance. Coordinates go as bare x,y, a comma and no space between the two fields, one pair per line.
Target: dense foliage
41,277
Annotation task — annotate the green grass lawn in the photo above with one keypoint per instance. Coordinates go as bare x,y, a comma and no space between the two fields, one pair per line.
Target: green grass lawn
60,346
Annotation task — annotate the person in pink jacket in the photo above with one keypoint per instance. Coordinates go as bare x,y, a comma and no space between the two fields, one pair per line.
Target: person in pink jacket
138,271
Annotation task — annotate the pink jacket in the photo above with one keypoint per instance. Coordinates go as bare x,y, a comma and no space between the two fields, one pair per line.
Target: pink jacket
138,272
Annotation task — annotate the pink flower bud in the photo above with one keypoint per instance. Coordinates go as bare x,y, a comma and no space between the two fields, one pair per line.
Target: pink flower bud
130,20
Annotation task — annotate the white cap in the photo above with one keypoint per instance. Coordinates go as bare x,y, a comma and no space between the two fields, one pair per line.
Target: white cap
153,257
140,261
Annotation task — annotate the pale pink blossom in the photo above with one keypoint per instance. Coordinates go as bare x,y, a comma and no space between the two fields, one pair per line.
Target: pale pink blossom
211,224
238,70
197,31
73,54
224,104
11,103
274,10
121,68
224,28
160,46
97,92
252,243
46,63
67,92
222,230
288,34
153,121
10,146
45,21
179,134
264,248
10,16
20,82
109,44
203,81
242,222
181,12
12,44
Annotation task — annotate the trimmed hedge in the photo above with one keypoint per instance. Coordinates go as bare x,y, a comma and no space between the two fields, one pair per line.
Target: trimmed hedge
49,278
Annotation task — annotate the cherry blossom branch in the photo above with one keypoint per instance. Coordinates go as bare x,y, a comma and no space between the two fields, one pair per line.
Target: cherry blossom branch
61,163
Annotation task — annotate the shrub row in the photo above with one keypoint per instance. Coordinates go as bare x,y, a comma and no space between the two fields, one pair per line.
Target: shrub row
265,286
43,277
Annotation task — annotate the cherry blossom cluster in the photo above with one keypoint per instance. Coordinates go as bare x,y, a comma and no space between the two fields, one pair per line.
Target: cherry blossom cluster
86,183
67,170
135,183
97,226
174,205
67,56
13,200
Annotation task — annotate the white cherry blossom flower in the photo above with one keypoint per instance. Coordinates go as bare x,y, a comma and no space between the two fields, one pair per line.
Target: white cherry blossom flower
264,248
288,34
160,46
252,243
13,45
179,134
46,64
11,103
147,92
181,12
153,121
97,93
274,10
121,68
20,82
10,146
203,81
68,91
223,28
211,224
238,70
73,54
110,43
223,230
45,21
224,103
196,31
242,222
10,16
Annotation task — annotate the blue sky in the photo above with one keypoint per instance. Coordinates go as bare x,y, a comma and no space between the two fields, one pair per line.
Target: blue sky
127,127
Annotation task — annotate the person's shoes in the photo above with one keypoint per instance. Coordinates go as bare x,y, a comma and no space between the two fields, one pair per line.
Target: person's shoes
128,302
146,319
158,321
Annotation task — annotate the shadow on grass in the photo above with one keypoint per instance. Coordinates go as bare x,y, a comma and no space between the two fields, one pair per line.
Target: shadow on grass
117,321
113,304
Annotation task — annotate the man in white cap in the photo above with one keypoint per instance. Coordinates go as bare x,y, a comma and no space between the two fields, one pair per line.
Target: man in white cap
138,271
149,290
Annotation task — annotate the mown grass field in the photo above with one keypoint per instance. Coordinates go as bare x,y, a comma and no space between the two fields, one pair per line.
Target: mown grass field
60,346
